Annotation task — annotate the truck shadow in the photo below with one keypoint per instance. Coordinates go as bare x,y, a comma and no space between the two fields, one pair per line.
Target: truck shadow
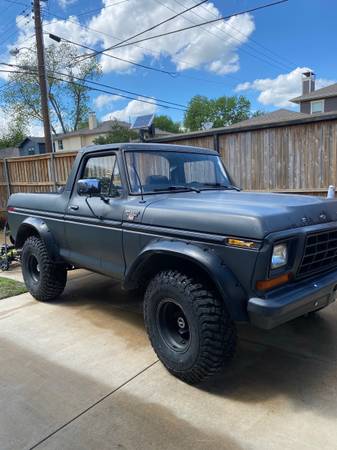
296,360
41,396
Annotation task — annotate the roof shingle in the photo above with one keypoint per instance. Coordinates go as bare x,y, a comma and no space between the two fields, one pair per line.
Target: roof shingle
328,91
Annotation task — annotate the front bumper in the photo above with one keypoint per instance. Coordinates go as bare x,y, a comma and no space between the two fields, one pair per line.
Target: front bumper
293,300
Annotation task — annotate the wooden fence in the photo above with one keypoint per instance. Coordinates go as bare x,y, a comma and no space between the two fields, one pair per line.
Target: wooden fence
299,158
40,173
292,159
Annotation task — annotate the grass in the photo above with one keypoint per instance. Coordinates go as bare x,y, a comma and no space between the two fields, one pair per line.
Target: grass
9,288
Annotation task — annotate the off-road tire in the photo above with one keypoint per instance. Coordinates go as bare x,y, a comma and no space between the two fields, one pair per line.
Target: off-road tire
48,280
212,333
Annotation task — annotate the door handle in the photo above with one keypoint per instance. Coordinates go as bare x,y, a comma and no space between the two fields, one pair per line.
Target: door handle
74,207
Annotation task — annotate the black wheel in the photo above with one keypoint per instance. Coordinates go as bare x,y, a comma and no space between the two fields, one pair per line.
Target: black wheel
44,279
189,327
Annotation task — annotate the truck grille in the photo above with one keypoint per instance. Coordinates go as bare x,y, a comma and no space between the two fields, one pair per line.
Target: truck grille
320,253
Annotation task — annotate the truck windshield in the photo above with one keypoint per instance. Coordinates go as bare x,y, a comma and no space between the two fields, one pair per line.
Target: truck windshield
158,171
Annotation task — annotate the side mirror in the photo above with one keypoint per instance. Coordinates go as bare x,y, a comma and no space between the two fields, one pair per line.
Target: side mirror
90,187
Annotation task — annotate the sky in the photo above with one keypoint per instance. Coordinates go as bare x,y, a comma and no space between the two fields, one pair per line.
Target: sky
260,55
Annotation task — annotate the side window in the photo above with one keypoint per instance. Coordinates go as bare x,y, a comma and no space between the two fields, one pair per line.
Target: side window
105,169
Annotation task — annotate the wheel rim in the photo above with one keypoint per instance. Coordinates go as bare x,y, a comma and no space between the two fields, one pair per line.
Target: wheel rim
34,268
173,325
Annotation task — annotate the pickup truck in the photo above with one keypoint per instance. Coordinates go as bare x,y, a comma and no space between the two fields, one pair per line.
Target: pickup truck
168,221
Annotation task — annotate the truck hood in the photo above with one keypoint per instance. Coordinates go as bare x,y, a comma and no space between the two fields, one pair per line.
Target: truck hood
245,214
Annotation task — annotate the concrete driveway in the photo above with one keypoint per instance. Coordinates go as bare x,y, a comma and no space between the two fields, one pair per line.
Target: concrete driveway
80,374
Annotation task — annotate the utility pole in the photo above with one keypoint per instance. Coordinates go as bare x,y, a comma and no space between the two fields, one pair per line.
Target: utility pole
41,67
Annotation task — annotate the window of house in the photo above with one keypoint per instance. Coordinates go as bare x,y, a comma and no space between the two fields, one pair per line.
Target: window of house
60,144
317,106
105,169
31,151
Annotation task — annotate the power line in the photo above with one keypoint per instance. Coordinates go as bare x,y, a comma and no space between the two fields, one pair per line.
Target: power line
161,23
253,40
144,48
128,61
279,66
15,31
156,102
268,5
225,32
97,52
100,9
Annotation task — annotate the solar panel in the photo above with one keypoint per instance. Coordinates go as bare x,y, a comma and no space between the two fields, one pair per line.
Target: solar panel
143,122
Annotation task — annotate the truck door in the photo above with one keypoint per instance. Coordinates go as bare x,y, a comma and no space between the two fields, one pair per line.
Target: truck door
87,232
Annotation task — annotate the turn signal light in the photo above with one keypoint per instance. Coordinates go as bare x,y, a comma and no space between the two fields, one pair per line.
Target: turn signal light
264,285
241,243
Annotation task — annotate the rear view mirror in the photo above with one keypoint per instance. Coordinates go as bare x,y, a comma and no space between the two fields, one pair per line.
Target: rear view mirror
90,187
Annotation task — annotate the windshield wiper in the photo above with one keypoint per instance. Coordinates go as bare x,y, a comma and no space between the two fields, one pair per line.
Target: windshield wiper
177,188
222,186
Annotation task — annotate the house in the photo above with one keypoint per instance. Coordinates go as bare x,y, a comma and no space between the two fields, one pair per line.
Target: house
32,146
314,101
9,152
74,140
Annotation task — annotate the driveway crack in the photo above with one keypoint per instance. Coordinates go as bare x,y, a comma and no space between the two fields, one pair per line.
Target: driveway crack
93,405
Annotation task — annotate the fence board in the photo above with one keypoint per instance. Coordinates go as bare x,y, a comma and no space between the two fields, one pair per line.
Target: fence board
299,158
34,174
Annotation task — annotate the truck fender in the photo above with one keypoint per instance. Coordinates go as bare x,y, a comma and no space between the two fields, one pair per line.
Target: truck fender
37,227
223,278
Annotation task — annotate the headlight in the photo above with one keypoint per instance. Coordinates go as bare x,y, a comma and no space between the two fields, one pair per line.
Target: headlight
280,256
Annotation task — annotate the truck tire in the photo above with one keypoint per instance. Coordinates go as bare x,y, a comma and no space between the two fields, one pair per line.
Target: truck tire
189,327
44,279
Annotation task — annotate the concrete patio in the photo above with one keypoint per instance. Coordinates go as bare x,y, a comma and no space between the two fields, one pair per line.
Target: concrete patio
80,374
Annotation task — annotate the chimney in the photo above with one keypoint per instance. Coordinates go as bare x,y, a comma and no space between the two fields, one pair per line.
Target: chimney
308,82
92,120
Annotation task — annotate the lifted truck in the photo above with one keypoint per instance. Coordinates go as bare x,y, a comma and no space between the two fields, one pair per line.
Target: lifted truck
168,220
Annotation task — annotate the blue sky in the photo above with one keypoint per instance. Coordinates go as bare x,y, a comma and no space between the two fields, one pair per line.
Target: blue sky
260,55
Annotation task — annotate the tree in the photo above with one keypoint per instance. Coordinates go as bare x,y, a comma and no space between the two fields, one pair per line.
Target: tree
13,135
218,112
258,113
118,133
68,99
165,123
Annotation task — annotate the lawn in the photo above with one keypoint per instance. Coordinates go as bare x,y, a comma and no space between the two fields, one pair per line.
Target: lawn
8,288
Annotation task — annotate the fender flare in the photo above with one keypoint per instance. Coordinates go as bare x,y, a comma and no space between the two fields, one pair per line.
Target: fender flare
223,278
35,225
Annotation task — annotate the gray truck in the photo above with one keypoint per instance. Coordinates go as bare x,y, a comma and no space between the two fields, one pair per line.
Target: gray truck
168,221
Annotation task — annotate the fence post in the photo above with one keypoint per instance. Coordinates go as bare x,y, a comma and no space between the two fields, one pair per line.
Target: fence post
8,183
53,170
216,142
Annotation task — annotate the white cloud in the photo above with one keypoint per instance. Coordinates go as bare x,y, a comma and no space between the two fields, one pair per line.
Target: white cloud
133,108
278,91
212,47
65,3
104,100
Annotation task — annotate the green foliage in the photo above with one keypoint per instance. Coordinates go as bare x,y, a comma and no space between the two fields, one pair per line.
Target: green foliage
258,113
118,133
13,135
220,112
165,123
9,288
68,100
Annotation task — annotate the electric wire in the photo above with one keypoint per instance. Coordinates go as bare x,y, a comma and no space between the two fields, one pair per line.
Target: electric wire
179,30
155,102
272,62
